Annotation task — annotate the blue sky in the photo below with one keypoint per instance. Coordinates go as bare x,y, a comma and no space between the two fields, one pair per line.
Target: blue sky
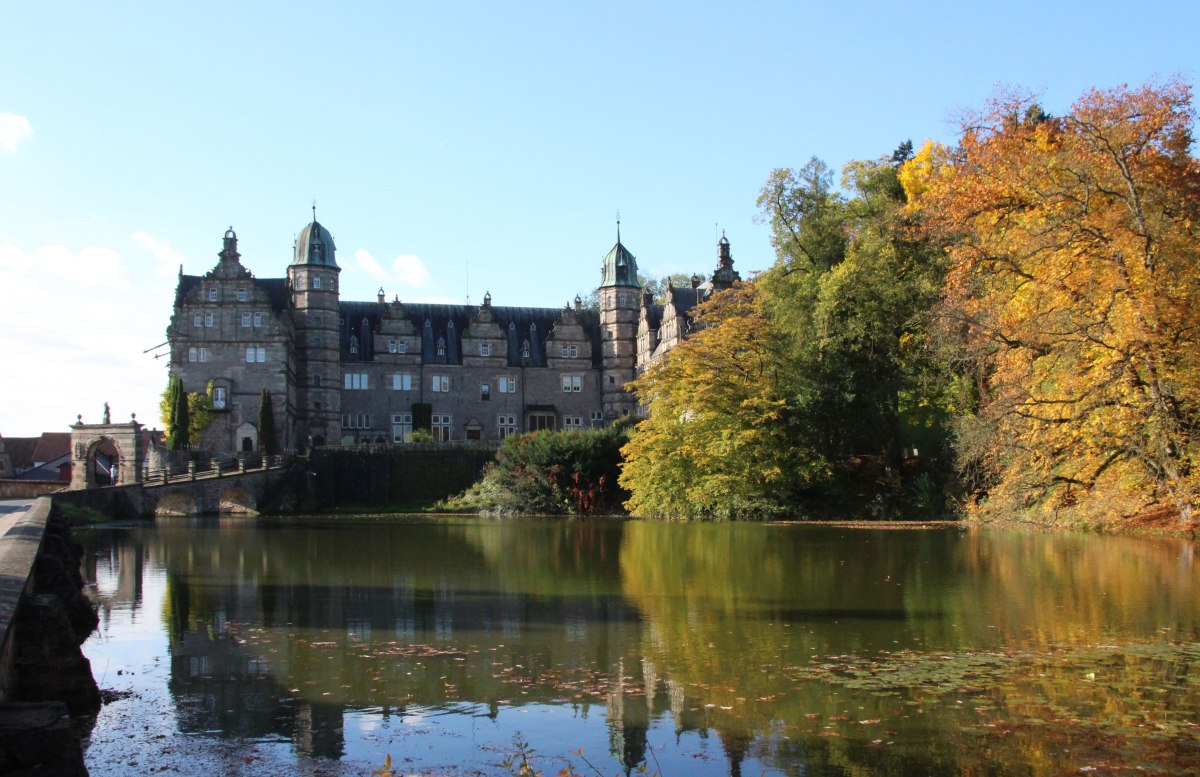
458,148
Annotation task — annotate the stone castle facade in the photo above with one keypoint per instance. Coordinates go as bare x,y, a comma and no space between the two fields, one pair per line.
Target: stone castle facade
349,372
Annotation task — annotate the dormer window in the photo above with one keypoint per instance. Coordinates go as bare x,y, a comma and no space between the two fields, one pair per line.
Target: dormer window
441,346
525,349
353,344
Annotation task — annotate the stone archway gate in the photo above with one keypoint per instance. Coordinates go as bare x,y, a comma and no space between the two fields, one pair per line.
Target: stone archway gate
86,438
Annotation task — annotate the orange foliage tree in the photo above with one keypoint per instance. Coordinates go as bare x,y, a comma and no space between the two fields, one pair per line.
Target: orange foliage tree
1073,298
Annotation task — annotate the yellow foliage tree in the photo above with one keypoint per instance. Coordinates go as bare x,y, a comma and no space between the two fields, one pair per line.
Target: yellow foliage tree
1074,292
716,442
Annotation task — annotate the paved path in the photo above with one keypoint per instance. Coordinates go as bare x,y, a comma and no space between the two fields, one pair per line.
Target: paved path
10,511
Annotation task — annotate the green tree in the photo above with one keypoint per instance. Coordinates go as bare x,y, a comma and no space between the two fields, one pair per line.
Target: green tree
268,439
552,473
179,425
196,417
851,293
657,287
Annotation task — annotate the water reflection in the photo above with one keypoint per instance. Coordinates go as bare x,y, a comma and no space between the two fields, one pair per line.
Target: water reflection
715,648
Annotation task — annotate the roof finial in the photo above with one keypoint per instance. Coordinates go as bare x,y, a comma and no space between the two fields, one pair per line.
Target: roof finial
618,226
314,209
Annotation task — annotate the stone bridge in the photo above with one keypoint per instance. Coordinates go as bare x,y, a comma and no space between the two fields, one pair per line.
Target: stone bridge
226,488
236,485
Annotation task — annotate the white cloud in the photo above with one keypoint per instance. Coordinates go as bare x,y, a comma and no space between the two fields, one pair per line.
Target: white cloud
169,258
369,265
411,270
406,270
75,324
13,129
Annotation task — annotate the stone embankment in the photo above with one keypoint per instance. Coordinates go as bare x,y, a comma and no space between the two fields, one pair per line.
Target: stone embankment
45,679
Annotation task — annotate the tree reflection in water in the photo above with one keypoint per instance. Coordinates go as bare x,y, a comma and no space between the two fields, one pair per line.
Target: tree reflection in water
798,649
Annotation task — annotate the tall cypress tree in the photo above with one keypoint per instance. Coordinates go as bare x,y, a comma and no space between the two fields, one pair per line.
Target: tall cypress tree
267,442
180,418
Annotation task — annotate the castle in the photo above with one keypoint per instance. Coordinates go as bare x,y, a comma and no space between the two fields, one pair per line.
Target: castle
348,372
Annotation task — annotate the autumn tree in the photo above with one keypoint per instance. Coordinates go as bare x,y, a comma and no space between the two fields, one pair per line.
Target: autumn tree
717,442
1072,298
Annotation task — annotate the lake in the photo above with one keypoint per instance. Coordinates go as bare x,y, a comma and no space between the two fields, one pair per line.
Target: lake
321,646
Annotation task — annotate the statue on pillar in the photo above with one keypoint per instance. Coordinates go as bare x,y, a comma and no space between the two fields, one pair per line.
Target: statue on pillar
107,419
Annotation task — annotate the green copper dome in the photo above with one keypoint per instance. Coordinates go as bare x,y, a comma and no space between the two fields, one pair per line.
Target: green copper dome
619,268
314,246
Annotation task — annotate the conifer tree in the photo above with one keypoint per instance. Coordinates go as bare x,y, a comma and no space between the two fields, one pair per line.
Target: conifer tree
267,442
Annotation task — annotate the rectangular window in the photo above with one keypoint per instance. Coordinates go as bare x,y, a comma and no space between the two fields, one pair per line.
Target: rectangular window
485,349
508,385
357,381
540,421
401,346
570,351
572,422
356,421
391,346
258,319
402,381
219,397
441,383
316,281
485,392
507,425
255,354
402,427
441,428
597,417
197,354
572,383
208,319
241,294
245,319
212,294
198,320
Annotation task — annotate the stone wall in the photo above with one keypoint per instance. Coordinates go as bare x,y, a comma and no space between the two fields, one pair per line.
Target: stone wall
391,475
29,489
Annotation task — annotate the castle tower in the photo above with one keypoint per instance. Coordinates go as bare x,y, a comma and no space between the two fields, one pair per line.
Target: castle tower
620,306
313,278
724,276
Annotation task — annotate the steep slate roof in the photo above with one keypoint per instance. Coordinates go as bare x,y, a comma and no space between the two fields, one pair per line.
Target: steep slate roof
684,298
449,322
654,314
51,445
20,450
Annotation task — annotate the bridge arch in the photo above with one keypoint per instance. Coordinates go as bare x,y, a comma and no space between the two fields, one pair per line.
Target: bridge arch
237,499
176,503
